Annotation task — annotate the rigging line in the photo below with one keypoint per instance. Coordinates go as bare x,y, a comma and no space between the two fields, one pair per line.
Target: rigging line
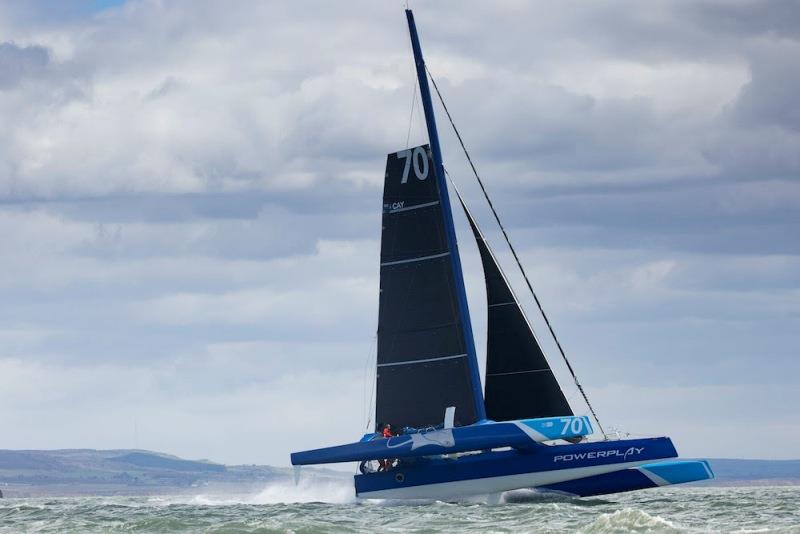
369,383
514,253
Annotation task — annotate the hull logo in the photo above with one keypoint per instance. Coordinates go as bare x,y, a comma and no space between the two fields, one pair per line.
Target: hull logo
593,455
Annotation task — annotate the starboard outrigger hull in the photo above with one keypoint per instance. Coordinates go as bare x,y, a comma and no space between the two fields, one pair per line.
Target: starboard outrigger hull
645,476
498,471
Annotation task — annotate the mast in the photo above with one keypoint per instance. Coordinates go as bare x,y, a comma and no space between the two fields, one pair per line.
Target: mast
433,137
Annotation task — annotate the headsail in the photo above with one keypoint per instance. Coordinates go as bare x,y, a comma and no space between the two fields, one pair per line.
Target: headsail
519,382
424,365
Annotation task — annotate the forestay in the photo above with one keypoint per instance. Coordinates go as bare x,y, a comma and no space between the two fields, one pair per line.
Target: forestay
423,361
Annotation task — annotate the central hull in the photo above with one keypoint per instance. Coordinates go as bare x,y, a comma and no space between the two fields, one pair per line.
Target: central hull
494,472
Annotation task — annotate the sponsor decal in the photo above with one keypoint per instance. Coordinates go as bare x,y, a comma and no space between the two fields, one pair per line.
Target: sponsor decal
391,206
593,455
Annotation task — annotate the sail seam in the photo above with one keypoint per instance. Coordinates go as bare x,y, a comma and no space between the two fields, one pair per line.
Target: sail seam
420,258
519,372
408,362
418,206
501,304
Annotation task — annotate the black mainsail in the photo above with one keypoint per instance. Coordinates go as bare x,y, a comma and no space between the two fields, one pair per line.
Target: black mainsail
519,382
424,361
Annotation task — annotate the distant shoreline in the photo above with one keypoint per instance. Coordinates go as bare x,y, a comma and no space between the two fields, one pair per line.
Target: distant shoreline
129,472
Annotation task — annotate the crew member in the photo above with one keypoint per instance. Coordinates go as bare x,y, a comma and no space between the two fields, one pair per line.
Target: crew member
385,465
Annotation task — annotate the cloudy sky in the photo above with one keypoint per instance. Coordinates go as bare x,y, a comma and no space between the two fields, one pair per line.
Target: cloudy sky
190,196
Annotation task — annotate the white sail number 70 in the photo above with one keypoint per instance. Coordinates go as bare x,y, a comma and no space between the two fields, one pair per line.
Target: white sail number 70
573,424
420,160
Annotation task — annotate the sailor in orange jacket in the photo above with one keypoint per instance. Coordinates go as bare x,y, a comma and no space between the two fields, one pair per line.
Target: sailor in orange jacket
385,465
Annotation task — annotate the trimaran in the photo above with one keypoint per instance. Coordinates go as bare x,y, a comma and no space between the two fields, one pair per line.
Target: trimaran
455,441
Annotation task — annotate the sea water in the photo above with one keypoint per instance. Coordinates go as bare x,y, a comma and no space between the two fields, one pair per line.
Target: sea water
284,508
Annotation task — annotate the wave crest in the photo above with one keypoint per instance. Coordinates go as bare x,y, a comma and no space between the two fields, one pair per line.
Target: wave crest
630,520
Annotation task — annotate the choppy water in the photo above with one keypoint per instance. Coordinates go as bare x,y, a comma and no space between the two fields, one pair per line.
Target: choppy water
283,508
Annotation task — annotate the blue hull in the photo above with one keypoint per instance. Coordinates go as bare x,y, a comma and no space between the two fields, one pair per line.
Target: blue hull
492,472
636,478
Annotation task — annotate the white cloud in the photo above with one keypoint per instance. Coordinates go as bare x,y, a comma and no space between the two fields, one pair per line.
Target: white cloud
736,420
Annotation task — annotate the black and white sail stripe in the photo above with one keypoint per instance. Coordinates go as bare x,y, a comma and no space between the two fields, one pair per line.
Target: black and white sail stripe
418,258
423,360
402,209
